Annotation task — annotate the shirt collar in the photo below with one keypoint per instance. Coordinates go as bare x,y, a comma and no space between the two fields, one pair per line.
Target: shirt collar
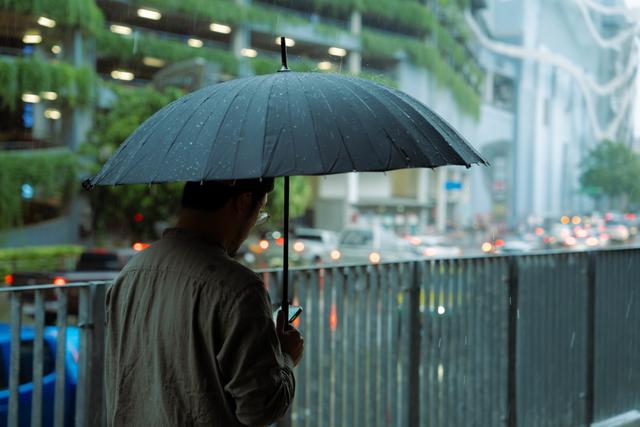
187,234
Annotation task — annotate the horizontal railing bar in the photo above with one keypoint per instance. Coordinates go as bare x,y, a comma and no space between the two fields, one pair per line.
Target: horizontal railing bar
50,286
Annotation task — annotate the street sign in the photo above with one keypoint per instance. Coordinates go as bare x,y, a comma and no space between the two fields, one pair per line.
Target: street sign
452,185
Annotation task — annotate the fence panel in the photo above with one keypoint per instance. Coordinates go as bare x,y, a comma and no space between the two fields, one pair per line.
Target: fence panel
431,342
552,339
617,340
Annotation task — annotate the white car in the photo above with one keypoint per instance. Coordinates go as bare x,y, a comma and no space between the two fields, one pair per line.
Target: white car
434,246
371,245
313,245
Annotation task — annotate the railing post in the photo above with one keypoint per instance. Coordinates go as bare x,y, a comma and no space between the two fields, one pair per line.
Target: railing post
591,327
38,361
90,390
512,344
413,350
61,352
14,367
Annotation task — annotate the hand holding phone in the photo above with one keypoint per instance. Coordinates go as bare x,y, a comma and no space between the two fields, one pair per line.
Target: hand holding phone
294,312
291,341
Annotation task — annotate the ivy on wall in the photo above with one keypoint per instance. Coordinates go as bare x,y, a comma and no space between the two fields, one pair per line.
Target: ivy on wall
83,14
437,50
127,48
74,85
376,44
51,173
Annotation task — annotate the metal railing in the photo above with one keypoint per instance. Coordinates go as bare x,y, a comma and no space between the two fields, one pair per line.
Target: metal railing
533,340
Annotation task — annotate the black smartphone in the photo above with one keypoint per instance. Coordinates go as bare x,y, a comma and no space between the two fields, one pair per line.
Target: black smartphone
294,311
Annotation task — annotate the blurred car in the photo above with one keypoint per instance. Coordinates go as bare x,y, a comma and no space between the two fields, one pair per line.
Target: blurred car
93,265
313,245
616,230
371,245
25,388
434,246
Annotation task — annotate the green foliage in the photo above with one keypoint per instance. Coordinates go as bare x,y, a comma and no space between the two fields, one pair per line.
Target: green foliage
300,194
52,173
125,48
38,258
74,85
115,207
612,169
377,44
83,14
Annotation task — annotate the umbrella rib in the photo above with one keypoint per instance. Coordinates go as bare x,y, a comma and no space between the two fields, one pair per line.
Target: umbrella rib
393,143
246,83
353,165
266,126
427,138
443,127
293,143
237,146
313,122
126,170
343,84
175,138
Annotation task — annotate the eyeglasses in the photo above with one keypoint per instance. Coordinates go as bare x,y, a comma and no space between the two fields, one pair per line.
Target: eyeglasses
263,217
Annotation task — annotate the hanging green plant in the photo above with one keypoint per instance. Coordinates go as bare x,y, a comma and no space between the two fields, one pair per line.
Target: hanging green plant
38,258
377,44
51,174
83,14
74,85
126,48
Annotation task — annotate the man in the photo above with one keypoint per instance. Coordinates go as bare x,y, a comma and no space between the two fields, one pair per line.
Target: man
190,335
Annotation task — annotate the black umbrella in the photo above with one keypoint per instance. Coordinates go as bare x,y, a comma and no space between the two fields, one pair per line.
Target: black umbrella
285,124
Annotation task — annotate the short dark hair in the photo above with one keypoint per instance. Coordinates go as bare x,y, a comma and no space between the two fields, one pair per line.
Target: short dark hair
213,195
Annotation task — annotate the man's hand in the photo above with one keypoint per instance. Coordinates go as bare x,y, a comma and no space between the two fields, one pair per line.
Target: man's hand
291,342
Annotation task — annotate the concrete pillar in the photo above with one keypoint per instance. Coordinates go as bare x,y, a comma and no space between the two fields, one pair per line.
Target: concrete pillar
240,39
354,60
441,201
422,196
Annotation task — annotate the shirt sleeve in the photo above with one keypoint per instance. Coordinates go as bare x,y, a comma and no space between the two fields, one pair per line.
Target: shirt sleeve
257,375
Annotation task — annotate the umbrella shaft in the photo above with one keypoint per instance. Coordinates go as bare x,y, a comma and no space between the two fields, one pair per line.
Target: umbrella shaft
285,257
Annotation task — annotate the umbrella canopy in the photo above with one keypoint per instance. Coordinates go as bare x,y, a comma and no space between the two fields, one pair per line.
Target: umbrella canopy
285,124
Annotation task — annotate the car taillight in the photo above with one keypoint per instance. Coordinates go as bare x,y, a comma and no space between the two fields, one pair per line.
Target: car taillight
487,247
8,279
59,281
264,244
429,252
140,246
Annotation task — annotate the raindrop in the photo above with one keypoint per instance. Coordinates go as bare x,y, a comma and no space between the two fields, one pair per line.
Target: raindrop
518,313
573,340
629,306
466,340
439,341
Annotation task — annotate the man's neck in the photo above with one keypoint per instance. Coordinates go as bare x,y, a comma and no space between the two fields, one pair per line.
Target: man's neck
206,223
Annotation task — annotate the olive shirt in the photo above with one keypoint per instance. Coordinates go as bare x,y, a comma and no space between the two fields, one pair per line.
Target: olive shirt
191,340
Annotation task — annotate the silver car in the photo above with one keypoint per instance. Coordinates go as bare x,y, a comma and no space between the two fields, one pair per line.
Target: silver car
313,245
371,245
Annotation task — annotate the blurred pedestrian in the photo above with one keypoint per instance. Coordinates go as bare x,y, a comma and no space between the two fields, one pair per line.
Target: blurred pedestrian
190,335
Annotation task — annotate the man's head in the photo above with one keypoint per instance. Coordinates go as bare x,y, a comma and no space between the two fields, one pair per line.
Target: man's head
233,205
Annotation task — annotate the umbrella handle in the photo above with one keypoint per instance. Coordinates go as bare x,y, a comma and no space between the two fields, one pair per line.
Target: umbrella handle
285,255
